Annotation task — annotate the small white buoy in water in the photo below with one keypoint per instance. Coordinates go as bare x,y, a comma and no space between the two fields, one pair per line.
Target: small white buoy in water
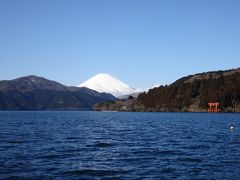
231,128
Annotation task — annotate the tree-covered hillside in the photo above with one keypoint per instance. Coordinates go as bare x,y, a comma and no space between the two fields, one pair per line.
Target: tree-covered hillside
193,93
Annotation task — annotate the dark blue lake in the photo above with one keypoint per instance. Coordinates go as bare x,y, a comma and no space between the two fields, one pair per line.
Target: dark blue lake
109,145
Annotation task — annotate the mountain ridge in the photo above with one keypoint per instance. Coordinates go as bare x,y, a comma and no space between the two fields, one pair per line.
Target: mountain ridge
38,93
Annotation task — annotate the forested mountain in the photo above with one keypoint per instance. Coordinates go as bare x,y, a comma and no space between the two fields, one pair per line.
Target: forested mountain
37,93
192,93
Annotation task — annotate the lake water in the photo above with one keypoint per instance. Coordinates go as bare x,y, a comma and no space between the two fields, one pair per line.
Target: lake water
109,145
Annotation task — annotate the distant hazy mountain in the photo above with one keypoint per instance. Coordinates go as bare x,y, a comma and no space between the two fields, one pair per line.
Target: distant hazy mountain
106,83
134,95
37,93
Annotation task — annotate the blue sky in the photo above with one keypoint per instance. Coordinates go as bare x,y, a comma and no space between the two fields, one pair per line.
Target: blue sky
141,42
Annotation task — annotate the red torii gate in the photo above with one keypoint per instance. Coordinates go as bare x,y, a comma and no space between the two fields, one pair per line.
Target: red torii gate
213,107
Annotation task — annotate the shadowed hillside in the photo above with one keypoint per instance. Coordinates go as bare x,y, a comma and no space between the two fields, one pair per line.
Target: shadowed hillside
192,93
37,93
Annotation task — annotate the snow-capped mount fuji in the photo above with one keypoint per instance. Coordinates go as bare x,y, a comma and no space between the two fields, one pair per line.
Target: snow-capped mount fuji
106,83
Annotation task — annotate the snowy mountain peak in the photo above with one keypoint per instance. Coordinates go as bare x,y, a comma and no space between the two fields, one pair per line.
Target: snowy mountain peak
106,83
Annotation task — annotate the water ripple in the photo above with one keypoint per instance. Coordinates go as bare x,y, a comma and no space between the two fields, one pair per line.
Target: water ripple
95,145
